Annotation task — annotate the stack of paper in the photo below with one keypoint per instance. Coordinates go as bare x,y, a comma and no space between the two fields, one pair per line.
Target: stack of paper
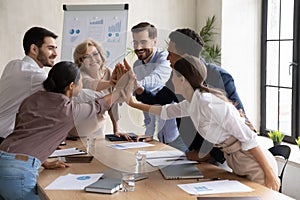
215,187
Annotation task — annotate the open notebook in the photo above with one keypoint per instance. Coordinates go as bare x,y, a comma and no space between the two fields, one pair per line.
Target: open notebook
183,171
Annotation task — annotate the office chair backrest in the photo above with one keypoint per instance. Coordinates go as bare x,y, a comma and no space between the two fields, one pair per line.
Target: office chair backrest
284,151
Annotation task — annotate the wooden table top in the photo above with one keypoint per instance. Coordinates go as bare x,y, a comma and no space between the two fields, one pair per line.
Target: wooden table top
154,187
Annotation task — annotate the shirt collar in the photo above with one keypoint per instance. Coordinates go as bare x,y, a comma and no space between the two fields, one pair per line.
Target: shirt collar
152,57
31,61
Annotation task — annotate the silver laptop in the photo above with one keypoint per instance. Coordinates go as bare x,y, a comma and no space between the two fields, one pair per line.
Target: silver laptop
183,171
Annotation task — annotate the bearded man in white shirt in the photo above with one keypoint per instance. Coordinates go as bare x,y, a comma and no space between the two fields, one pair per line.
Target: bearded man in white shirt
22,78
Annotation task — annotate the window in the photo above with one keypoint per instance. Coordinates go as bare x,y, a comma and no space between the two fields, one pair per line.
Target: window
280,74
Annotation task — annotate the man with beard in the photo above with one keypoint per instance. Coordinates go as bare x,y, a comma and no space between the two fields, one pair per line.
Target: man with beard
152,71
22,78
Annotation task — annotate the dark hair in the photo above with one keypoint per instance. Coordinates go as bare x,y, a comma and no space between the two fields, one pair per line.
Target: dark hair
187,41
195,72
36,35
60,76
152,31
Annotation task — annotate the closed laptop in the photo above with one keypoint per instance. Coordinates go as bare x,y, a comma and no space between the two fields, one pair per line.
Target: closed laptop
183,171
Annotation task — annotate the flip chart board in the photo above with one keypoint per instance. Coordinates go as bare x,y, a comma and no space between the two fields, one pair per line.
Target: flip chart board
106,24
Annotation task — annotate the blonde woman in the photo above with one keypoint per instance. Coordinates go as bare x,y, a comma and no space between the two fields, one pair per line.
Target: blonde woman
91,59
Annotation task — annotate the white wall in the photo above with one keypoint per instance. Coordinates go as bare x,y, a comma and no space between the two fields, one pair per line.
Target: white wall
17,16
208,8
238,24
241,24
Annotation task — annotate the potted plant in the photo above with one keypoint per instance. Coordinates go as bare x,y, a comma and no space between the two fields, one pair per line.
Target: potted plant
298,141
211,52
276,136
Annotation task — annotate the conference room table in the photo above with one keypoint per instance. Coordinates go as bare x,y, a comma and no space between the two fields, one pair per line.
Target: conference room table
154,187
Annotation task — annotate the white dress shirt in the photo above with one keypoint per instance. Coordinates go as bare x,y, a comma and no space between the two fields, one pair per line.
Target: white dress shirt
19,79
214,119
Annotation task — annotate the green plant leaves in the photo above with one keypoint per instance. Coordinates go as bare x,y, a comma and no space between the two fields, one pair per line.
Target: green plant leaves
211,52
276,135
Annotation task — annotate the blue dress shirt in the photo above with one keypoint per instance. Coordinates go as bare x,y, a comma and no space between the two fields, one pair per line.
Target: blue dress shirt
153,77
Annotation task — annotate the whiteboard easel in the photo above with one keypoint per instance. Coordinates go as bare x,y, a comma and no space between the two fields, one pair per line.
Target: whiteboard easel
106,24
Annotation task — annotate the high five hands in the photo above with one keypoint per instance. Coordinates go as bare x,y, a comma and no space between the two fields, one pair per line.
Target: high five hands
124,80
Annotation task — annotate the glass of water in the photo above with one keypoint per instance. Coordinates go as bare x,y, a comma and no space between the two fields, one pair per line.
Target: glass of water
140,158
128,182
90,143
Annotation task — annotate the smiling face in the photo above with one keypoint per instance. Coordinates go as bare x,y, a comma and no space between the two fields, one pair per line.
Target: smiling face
46,54
143,45
92,60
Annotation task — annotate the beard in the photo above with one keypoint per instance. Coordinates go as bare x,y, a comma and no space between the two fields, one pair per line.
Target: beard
43,59
143,54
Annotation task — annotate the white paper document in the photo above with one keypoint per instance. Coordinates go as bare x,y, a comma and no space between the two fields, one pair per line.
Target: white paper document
169,161
66,152
73,181
130,145
163,154
215,187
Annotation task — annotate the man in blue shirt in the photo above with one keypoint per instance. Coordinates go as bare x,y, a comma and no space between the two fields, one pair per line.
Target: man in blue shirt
152,70
188,42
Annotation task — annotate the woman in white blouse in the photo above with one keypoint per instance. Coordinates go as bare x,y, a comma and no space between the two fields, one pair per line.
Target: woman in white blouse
218,121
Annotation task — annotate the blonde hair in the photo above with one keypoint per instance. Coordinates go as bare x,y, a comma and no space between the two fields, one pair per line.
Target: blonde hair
80,51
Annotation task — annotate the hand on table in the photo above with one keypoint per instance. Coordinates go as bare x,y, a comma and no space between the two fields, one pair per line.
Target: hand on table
55,164
144,138
125,135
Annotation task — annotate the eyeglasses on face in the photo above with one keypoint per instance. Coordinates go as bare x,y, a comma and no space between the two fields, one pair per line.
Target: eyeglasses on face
142,43
92,56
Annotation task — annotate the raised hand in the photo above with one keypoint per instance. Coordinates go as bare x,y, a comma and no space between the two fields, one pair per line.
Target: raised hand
139,89
124,87
126,65
117,73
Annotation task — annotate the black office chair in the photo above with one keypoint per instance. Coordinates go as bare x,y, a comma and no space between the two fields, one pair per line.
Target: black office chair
284,151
